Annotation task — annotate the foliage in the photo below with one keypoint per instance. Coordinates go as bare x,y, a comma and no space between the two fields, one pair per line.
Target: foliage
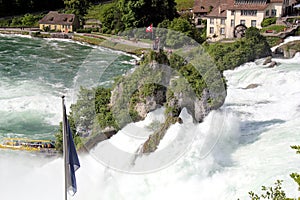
268,21
297,33
231,55
273,41
83,112
17,7
184,4
104,115
182,25
87,30
178,32
77,7
28,20
127,14
276,192
59,135
108,15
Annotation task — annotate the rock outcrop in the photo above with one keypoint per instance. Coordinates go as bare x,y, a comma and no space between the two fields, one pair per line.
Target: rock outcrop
155,84
289,49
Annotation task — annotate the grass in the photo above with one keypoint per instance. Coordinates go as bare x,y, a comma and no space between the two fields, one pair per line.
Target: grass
90,40
276,28
184,4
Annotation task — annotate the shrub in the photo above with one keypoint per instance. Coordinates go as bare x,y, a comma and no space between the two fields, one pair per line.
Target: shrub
268,21
87,30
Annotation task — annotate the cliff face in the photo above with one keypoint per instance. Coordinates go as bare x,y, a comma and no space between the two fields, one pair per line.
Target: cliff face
289,49
157,83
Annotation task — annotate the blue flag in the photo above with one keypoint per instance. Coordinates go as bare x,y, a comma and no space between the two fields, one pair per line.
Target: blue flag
72,160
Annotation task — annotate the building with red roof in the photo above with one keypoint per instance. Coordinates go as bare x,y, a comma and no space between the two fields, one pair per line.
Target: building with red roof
230,18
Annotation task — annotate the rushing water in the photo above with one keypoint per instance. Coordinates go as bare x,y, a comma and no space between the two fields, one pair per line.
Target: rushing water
252,148
35,73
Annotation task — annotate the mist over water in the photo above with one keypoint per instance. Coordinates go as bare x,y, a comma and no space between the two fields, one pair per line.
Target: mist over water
238,148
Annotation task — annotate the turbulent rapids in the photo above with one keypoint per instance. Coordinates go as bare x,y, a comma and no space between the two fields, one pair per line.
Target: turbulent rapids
238,148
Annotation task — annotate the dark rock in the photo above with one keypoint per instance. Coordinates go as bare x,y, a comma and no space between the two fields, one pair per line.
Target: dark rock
153,141
151,103
268,60
251,86
101,136
179,120
272,64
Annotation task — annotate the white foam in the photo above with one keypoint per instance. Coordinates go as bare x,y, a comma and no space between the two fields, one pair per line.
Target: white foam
239,148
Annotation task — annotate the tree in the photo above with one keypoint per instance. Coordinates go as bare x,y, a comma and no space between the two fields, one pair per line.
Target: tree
83,112
185,32
77,7
28,20
142,13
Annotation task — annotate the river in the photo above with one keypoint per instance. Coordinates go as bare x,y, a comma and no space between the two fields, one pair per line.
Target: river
254,129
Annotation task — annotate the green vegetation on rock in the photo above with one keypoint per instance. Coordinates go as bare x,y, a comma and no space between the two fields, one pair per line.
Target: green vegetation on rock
231,55
268,21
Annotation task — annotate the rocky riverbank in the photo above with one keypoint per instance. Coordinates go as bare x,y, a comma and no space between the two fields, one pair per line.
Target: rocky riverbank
287,50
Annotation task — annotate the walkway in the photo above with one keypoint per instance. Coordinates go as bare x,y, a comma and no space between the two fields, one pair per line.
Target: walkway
285,33
120,40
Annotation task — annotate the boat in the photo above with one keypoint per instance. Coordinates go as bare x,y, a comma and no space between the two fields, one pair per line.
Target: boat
24,144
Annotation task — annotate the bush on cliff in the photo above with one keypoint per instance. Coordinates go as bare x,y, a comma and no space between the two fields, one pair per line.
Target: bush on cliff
232,55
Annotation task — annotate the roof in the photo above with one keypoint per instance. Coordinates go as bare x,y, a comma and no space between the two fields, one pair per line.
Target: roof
204,6
219,11
244,5
276,1
54,17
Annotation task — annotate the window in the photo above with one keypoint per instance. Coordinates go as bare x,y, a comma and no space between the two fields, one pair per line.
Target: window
243,21
267,12
212,21
232,23
273,12
222,21
253,23
222,31
211,30
232,12
249,12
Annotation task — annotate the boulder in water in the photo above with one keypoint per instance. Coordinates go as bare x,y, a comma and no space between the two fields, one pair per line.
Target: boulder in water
272,64
251,86
268,60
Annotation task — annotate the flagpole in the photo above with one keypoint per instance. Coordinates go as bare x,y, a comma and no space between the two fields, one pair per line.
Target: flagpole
65,149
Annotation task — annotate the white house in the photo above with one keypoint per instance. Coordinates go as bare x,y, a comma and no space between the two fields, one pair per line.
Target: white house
230,18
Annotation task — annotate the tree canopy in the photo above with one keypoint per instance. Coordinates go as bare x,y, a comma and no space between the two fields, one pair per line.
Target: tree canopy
16,7
121,15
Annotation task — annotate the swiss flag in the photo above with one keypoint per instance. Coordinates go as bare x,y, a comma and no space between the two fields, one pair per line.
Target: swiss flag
149,28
